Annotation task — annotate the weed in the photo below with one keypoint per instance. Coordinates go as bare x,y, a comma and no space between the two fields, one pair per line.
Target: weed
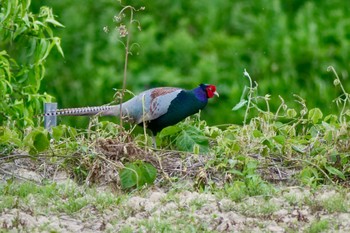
292,199
125,32
196,204
335,203
319,226
126,229
106,200
256,207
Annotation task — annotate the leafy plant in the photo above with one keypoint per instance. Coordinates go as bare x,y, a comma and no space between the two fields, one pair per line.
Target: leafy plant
37,141
187,136
137,174
28,39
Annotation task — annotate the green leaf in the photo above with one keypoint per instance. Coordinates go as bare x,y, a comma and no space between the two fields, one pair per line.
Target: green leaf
148,172
332,119
57,42
298,148
128,176
257,133
41,142
315,115
269,143
72,132
236,172
54,22
328,136
171,130
336,172
8,136
309,176
57,132
190,137
8,11
291,113
280,139
41,50
36,141
242,103
137,174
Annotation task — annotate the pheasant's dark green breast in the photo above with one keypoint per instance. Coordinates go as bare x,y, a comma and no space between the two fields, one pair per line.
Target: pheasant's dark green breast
184,105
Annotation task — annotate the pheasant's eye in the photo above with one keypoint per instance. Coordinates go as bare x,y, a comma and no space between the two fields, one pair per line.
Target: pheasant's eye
212,88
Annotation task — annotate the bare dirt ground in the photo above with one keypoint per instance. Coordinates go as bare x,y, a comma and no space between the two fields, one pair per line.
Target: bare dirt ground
291,209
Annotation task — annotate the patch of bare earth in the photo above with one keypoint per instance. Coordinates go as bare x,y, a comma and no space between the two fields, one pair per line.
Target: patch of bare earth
187,210
292,209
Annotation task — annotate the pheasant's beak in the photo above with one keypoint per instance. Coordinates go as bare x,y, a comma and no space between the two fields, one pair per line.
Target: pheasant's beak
217,94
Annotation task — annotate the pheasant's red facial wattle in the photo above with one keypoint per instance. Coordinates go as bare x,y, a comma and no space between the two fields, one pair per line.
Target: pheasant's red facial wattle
211,91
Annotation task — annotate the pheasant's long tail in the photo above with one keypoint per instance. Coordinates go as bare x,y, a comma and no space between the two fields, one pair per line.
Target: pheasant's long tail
112,110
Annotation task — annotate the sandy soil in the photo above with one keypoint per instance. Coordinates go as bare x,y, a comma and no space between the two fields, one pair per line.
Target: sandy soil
292,209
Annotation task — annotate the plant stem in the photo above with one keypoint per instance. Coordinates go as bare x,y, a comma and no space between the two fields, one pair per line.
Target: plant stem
245,73
346,99
125,66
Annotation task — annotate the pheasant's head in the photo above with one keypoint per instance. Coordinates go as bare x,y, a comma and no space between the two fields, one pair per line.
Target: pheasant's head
210,90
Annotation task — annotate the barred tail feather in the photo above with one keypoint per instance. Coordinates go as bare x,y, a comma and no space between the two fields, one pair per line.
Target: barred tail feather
86,111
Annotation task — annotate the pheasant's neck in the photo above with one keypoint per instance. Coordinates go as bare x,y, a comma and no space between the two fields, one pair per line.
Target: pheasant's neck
200,94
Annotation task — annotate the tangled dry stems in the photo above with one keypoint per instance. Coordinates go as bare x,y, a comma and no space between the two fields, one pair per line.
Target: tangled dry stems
114,154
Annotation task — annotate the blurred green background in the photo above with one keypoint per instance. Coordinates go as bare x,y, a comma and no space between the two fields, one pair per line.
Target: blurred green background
286,46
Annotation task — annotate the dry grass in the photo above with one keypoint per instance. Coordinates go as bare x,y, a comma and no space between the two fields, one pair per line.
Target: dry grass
114,153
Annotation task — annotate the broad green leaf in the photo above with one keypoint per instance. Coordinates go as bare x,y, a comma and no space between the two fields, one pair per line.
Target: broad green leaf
41,142
137,174
191,136
128,176
148,172
315,115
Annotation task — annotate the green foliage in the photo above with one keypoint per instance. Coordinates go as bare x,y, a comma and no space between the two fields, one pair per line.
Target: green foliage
37,141
315,115
26,40
137,174
185,43
187,136
248,184
308,133
9,140
298,135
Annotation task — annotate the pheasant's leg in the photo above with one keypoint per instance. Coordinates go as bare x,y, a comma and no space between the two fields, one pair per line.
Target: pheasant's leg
154,143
